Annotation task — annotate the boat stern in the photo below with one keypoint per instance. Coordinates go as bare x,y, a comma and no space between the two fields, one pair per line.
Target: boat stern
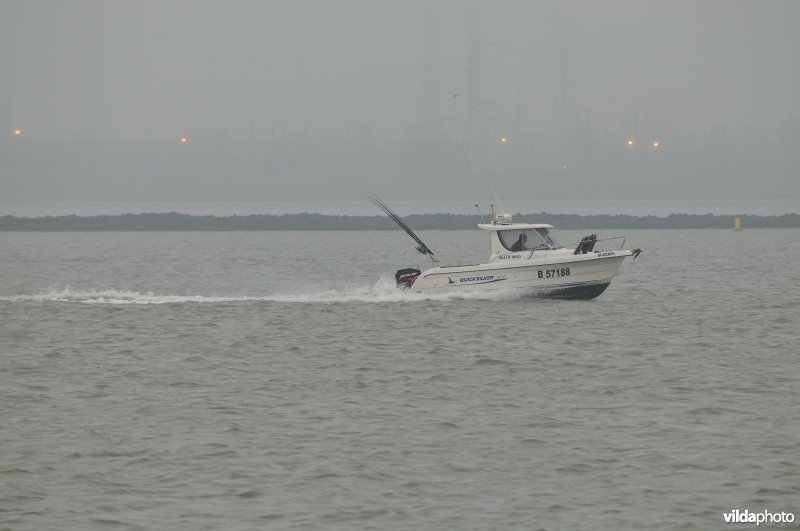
405,278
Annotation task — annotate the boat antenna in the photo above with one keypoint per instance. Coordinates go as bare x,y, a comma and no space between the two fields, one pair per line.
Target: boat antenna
479,212
502,208
421,248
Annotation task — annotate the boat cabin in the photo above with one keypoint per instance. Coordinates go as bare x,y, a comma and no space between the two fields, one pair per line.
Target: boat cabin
509,238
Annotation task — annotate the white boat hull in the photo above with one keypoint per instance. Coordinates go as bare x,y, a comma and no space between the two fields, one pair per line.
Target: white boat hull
567,276
524,257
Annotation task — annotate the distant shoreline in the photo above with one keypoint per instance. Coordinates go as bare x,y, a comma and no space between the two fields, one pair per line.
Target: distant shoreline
172,221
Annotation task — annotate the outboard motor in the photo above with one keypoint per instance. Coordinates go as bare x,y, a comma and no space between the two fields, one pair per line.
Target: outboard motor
406,277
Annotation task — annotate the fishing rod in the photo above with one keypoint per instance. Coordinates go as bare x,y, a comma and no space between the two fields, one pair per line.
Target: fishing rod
421,248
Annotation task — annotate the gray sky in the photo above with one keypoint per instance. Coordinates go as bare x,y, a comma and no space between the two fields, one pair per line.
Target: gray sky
155,70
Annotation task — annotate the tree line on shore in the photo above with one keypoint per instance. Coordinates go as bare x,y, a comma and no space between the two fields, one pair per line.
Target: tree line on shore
173,221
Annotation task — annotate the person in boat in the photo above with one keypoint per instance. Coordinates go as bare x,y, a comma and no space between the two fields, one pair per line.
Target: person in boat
519,245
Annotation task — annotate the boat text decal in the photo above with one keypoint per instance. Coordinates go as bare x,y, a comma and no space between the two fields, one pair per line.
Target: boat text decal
485,279
551,273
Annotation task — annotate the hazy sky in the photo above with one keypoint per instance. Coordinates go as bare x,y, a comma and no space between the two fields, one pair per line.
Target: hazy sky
313,82
156,69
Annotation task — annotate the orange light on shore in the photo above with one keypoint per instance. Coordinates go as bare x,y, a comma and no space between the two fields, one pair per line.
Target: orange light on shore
17,132
630,142
184,140
504,140
656,144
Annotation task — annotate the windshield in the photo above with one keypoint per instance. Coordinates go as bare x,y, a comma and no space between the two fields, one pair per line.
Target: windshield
528,240
549,239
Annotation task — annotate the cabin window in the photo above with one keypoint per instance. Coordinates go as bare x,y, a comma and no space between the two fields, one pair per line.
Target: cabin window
527,240
519,240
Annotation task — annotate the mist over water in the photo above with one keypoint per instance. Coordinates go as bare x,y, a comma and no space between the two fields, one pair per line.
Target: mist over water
301,100
361,207
278,380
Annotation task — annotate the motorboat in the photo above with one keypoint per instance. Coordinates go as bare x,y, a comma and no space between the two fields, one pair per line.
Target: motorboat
524,256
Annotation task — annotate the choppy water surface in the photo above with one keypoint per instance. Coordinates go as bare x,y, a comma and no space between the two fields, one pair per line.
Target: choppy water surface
278,380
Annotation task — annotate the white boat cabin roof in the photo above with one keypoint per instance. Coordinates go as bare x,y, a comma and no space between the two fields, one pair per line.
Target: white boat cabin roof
513,226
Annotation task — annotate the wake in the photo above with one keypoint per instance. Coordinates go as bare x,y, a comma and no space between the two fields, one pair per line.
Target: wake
384,290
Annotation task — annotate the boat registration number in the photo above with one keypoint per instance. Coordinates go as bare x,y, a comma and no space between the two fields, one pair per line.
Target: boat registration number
551,273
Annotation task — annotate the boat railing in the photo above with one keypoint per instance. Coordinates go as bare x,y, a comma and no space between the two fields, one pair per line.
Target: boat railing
574,244
545,249
621,245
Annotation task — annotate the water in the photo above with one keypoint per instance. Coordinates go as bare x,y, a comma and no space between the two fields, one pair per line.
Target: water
278,380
